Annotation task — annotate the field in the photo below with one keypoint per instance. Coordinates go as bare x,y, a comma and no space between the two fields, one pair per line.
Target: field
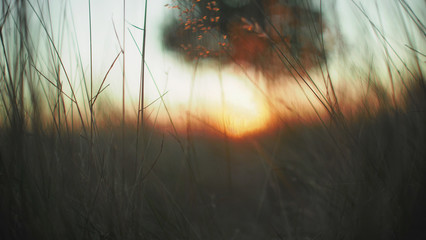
70,168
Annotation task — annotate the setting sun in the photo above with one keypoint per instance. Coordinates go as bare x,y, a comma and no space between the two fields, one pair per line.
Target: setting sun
228,104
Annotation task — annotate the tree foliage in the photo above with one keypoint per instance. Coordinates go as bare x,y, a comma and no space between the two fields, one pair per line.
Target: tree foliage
272,36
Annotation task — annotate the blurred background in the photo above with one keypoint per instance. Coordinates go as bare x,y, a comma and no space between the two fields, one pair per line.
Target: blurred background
199,119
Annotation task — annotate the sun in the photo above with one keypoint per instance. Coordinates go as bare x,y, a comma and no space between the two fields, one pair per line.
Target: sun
240,118
229,105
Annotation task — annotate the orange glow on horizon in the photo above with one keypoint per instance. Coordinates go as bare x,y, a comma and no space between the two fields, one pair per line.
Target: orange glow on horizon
234,108
231,121
236,120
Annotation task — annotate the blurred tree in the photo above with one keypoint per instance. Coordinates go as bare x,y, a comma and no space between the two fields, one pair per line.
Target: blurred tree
266,35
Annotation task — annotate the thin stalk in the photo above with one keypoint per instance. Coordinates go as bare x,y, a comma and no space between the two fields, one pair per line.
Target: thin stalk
124,77
101,87
142,84
388,68
190,145
335,100
91,83
411,42
225,130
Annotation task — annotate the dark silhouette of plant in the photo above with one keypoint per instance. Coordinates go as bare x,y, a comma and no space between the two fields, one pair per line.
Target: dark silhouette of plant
272,36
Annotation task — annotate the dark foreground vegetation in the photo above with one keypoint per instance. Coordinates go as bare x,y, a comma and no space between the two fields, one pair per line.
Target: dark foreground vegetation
357,174
363,178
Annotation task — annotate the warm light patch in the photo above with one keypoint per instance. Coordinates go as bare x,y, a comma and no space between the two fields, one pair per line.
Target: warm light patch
231,106
240,118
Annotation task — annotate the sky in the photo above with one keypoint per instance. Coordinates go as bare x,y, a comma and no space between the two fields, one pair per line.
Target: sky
218,97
